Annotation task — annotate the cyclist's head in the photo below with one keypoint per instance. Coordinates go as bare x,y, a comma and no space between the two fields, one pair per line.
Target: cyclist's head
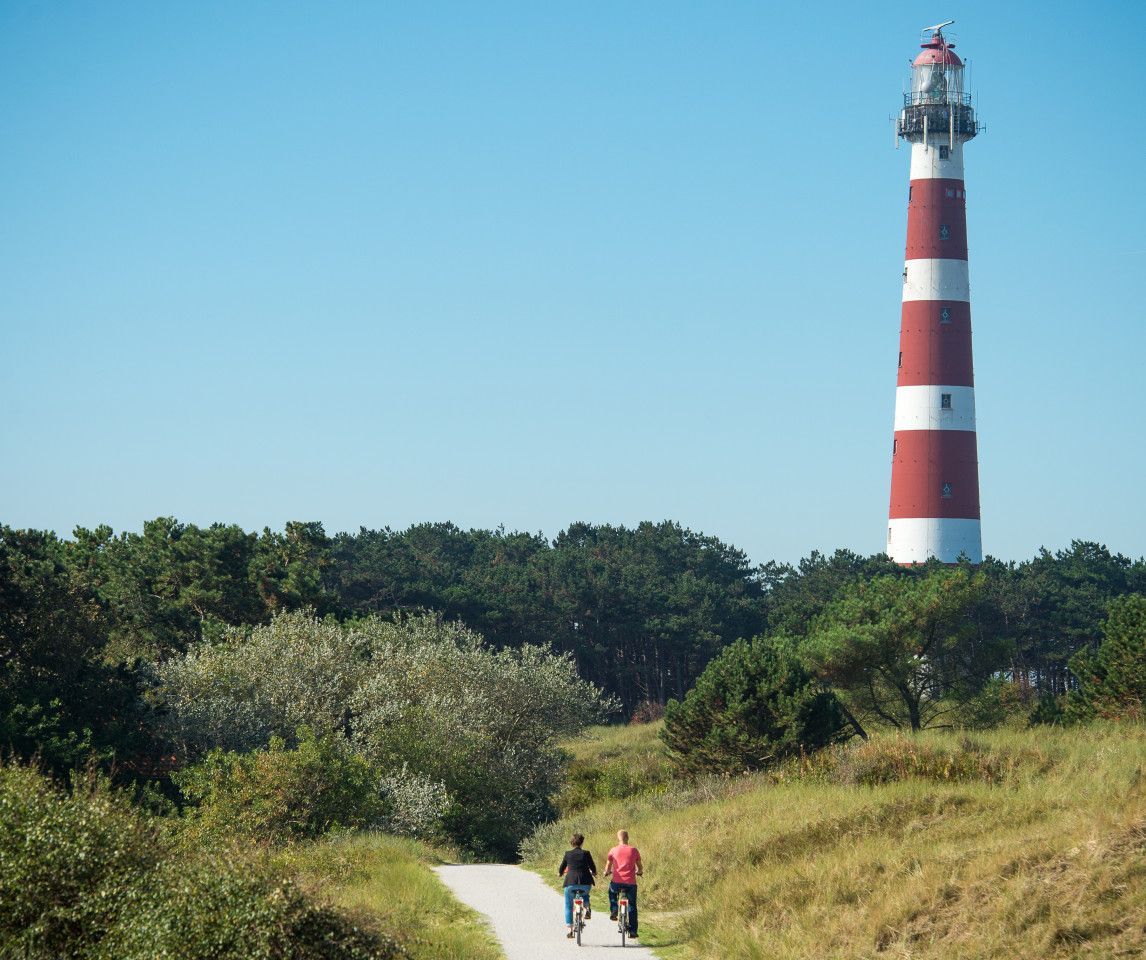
577,839
623,836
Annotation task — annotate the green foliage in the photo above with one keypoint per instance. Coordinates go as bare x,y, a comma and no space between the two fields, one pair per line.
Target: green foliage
67,863
162,589
280,793
58,700
799,594
1048,710
754,705
390,878
641,609
612,763
1112,679
84,876
905,650
217,907
1048,608
998,701
451,722
288,567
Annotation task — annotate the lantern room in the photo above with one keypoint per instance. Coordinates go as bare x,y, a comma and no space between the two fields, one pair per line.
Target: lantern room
937,73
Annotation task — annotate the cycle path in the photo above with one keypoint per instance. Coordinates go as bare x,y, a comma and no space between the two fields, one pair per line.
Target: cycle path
528,917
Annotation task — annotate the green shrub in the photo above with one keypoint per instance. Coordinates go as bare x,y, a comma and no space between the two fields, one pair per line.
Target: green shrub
464,734
1112,679
754,705
218,908
278,792
84,876
67,862
613,763
1048,710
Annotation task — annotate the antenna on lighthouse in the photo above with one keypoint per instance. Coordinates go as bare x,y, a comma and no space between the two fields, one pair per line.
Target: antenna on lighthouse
938,28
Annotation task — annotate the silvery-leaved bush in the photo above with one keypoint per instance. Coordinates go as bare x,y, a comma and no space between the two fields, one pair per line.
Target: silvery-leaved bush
415,803
465,733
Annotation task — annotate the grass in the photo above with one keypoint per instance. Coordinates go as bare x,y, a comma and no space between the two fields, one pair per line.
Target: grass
611,763
387,881
1007,844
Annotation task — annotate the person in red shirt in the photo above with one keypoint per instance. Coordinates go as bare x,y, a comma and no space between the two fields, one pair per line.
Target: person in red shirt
624,866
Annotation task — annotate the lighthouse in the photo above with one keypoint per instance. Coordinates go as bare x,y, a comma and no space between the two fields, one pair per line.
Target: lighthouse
935,471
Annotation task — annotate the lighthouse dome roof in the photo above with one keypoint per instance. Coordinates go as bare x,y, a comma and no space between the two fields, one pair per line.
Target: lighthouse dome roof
937,50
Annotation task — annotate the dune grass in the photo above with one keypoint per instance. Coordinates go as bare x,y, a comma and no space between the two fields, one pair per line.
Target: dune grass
611,763
1007,844
387,881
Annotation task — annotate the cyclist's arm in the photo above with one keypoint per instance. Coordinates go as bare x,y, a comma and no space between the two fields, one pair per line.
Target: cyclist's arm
564,865
640,866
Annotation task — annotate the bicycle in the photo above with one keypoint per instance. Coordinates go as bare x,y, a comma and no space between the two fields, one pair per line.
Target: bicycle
578,915
623,915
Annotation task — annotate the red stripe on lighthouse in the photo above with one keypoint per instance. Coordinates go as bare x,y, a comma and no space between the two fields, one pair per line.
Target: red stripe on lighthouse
935,473
935,344
937,220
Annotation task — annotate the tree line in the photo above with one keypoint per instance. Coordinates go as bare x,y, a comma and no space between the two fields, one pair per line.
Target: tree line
642,610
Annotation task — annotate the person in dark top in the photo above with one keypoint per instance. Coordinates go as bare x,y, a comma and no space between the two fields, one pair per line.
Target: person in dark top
580,873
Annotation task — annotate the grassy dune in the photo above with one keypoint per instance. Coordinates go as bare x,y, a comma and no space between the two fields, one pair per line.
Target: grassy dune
388,881
1008,844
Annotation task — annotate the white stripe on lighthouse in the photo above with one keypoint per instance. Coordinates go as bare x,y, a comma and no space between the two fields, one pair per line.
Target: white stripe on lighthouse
918,539
923,408
927,164
936,280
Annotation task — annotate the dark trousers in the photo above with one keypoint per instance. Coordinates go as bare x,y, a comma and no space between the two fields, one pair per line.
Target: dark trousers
631,890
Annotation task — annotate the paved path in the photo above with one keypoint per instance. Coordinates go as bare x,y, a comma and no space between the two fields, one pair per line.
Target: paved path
529,918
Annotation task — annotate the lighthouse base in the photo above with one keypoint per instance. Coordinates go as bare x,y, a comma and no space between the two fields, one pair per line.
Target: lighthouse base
947,539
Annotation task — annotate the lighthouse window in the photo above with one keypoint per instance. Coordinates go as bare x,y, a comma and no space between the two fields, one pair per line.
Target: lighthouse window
900,364
945,315
944,401
950,192
944,153
944,232
945,490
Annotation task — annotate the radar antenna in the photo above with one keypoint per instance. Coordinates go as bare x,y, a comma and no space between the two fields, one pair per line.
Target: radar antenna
938,28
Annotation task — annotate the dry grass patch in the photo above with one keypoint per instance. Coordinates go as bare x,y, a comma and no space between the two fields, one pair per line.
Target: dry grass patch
1003,845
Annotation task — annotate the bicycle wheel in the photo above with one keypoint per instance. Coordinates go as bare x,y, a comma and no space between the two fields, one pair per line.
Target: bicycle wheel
623,921
577,928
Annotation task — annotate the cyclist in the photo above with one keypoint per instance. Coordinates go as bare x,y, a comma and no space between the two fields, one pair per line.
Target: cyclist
624,866
580,873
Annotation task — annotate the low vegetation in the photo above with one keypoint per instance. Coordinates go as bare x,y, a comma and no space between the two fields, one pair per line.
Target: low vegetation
612,763
1001,844
411,724
84,875
389,878
191,719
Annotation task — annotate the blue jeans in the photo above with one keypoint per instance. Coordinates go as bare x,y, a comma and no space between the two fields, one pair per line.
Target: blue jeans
631,890
569,898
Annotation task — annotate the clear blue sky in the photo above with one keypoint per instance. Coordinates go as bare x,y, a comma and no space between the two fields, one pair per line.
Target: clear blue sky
530,263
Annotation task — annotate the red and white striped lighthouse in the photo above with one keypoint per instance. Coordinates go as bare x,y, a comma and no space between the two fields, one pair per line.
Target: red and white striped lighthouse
935,471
